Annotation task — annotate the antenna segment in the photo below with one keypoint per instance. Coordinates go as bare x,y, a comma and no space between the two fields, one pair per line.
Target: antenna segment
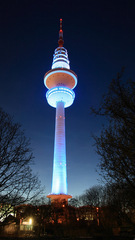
61,41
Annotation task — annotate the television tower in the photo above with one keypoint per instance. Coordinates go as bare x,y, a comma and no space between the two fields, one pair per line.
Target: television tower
60,81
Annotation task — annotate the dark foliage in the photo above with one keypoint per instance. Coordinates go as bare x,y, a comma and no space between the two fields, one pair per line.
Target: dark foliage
17,182
116,143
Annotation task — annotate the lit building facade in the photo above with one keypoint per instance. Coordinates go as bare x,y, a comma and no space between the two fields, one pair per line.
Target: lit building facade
60,81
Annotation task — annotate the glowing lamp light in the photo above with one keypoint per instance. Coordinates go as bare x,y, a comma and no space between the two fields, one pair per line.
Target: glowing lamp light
30,221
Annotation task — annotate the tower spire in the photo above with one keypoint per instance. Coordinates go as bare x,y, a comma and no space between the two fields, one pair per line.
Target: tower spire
61,41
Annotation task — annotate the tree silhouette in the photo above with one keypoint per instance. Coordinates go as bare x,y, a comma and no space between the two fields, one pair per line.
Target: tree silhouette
17,182
116,143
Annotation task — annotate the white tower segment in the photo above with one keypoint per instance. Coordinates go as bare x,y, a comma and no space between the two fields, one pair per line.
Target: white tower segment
60,58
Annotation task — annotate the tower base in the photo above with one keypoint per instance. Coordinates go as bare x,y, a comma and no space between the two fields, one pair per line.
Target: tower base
60,198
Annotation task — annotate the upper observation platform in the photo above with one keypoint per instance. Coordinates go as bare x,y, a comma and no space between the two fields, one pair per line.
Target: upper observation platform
60,74
60,77
60,58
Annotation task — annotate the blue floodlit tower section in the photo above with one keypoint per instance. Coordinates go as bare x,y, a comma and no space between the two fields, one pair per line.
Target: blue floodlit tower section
60,81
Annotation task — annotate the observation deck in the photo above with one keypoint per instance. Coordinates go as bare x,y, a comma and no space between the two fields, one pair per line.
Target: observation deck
60,94
60,73
60,77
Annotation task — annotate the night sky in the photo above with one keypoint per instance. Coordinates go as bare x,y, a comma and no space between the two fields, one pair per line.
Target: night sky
100,38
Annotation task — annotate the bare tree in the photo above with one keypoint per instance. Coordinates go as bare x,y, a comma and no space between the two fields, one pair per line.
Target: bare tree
17,182
116,143
93,196
75,202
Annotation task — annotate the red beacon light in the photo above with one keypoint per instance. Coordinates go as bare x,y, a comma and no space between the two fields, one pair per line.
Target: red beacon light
61,41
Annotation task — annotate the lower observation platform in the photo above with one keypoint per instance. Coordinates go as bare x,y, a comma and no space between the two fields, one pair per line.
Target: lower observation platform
60,94
59,197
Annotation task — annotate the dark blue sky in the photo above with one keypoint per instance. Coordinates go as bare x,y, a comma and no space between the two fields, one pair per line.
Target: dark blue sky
100,39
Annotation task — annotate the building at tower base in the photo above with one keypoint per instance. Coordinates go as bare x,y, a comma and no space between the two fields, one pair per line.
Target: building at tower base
62,198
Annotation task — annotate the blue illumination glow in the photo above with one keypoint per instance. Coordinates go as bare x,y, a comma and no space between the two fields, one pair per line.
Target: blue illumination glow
57,94
59,179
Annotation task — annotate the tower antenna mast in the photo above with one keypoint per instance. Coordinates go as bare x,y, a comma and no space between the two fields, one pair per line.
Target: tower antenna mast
61,41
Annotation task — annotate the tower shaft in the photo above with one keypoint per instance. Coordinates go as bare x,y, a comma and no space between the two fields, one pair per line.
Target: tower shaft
59,180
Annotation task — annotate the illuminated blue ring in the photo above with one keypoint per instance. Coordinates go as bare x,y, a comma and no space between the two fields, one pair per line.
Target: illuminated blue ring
58,94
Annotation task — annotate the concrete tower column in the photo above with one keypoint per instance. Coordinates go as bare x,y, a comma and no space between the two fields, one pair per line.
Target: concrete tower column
59,180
